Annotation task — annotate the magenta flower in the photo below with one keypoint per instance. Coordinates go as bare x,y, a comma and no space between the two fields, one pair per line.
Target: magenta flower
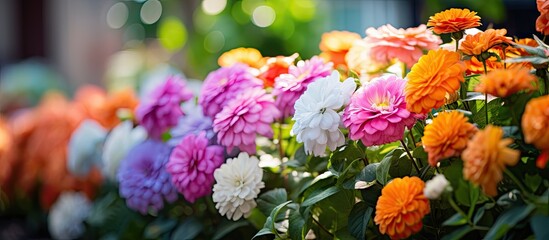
377,113
289,87
224,84
192,164
249,113
162,109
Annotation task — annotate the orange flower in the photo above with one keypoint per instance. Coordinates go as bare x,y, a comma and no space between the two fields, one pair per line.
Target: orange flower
474,45
453,20
275,66
517,52
542,23
401,207
6,156
543,5
447,136
249,56
535,122
335,45
505,82
474,66
485,158
435,76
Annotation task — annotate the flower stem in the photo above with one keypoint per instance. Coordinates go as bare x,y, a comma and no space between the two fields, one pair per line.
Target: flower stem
280,149
458,210
516,181
410,155
485,94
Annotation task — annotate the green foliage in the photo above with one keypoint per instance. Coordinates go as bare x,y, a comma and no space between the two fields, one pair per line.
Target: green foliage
358,220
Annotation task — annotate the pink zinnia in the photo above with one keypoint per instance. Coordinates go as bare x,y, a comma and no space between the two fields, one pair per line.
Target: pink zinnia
377,113
224,84
162,108
289,87
249,113
406,45
192,164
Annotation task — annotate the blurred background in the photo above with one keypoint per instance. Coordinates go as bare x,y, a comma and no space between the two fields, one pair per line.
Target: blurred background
64,44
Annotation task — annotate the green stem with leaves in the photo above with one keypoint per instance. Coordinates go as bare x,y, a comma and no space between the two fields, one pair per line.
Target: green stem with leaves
485,94
410,155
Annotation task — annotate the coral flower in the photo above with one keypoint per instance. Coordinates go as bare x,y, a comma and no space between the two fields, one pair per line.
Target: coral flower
474,45
6,154
542,5
335,45
275,66
249,56
542,23
359,59
485,158
406,45
504,82
535,122
435,76
447,136
453,20
249,113
377,113
401,207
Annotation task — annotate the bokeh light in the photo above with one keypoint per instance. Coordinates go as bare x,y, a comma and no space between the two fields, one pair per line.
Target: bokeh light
172,34
263,16
214,41
117,15
151,11
213,7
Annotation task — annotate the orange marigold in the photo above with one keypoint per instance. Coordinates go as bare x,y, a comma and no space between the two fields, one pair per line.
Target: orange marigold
505,82
249,56
474,45
535,122
453,20
485,158
542,23
474,66
335,45
447,136
401,207
435,76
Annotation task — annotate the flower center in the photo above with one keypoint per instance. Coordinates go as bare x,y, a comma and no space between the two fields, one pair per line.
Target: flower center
322,110
381,105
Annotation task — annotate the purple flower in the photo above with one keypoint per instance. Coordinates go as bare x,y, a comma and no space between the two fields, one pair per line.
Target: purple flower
377,113
192,164
143,178
192,123
162,108
225,84
249,113
289,87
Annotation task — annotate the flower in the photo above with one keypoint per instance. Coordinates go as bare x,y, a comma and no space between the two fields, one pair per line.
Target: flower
335,45
535,122
275,66
7,156
453,20
288,87
447,136
436,75
121,100
505,82
143,178
85,147
476,44
238,183
542,23
162,109
120,140
542,5
67,215
224,84
192,163
406,45
485,158
377,112
249,56
316,118
436,186
401,207
359,59
249,113
194,122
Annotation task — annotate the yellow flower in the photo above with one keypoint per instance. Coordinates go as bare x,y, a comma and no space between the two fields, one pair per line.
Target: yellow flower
249,56
453,20
485,158
505,82
435,76
447,136
401,207
335,45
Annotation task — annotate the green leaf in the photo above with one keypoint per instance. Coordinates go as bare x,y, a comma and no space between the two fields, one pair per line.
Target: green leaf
459,233
532,181
269,200
189,229
158,227
341,158
269,227
263,232
401,166
299,160
297,225
368,173
371,194
227,227
382,171
320,195
540,226
507,220
358,220
481,211
456,220
419,152
349,170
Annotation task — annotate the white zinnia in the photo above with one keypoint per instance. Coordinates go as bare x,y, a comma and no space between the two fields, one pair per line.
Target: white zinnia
238,183
67,215
121,139
435,187
85,145
316,118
